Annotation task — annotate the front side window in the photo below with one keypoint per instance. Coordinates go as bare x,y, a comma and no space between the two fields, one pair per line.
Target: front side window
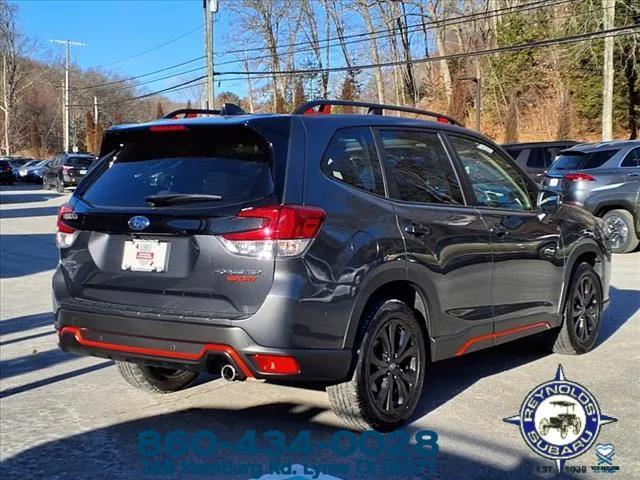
495,182
632,159
418,164
351,158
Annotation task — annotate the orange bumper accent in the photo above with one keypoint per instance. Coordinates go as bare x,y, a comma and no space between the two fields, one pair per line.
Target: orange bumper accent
209,347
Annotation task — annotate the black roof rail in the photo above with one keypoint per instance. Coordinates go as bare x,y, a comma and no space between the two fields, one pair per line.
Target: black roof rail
374,109
227,109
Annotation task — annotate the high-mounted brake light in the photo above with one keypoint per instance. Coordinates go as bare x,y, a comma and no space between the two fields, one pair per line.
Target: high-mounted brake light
168,128
578,177
65,235
286,231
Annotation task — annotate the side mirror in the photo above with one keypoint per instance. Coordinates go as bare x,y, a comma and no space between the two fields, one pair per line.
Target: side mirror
548,201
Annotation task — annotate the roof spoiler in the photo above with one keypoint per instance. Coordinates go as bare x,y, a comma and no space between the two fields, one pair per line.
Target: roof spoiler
227,109
323,107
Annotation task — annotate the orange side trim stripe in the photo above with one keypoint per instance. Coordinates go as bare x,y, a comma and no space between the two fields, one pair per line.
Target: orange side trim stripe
501,333
215,347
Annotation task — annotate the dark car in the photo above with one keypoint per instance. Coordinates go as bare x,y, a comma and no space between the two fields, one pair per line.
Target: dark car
6,173
619,207
352,250
536,157
33,172
16,163
66,170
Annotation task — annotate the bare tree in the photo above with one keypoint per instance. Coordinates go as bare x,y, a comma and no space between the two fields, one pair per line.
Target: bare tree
311,22
16,74
608,7
363,8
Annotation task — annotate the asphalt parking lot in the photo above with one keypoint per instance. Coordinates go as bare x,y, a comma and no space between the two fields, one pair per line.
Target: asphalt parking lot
73,417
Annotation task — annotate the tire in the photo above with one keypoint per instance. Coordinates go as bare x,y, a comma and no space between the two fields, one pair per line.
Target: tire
621,229
571,338
376,372
155,379
59,186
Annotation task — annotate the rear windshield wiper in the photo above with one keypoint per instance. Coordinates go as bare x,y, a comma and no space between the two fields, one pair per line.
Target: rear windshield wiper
180,198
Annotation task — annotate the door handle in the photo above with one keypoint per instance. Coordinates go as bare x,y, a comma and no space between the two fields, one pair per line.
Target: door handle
417,229
633,174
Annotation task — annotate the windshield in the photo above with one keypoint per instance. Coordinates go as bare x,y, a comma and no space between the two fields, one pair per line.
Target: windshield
570,160
231,162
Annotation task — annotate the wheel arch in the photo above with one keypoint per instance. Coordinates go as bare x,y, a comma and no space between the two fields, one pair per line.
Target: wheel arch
399,289
588,253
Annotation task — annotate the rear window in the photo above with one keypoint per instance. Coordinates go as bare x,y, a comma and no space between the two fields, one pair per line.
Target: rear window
582,160
233,162
79,161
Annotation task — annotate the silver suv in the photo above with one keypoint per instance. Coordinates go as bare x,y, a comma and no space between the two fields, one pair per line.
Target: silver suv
591,167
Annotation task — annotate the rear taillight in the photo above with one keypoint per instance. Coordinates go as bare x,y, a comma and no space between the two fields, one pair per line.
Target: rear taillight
286,231
66,235
578,177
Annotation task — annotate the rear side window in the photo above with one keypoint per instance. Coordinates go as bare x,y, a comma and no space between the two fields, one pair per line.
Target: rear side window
351,158
233,162
632,159
418,164
582,160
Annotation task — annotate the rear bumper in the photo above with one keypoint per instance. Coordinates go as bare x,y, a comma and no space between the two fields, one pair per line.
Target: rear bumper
196,346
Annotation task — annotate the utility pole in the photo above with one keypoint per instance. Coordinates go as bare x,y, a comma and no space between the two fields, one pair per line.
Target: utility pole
210,8
608,19
66,122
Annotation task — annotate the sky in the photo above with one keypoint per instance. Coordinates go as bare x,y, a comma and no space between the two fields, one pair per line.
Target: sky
114,30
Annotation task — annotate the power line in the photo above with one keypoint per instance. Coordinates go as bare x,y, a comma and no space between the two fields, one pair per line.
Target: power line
419,26
122,80
178,74
410,28
615,32
157,47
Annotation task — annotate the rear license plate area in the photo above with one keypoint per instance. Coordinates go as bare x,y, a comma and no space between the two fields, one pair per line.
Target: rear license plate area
143,255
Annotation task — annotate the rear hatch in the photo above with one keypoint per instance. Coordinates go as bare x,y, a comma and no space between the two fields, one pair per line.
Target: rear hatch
569,167
151,214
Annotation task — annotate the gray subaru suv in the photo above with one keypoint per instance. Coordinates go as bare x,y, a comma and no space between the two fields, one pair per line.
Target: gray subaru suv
354,250
592,167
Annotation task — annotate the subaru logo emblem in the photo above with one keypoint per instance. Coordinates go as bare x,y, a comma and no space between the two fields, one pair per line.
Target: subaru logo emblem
138,223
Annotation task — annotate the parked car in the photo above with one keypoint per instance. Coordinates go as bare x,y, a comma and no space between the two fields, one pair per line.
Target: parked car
16,163
349,249
33,171
536,157
619,206
579,170
6,173
67,170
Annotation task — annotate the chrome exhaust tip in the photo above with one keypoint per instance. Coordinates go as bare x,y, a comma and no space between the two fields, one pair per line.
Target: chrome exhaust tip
228,372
